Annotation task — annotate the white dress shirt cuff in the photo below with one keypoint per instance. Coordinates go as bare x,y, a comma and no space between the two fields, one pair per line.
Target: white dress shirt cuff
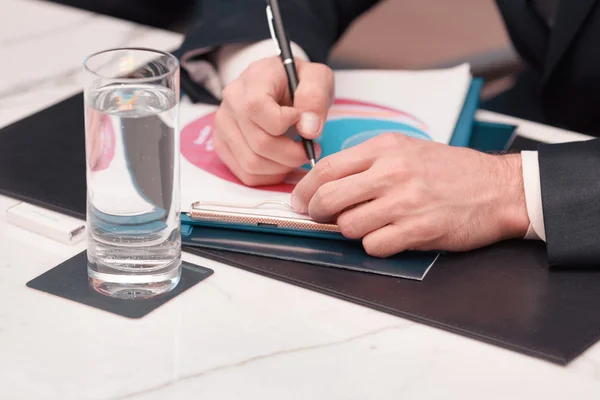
533,195
229,62
232,60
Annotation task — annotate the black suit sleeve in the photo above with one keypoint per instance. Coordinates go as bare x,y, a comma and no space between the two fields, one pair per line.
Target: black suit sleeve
570,183
528,32
315,25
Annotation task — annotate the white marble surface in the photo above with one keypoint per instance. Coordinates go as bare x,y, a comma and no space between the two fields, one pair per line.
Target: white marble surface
236,335
62,37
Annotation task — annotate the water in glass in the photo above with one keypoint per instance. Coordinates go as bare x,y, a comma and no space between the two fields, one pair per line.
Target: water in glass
134,240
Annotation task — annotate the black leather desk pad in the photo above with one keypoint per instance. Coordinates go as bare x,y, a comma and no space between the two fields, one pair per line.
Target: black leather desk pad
503,294
42,158
69,280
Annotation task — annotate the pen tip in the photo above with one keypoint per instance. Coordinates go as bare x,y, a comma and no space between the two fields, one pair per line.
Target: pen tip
312,162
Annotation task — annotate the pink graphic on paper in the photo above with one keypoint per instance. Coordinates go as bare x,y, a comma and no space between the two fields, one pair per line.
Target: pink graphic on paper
196,147
196,139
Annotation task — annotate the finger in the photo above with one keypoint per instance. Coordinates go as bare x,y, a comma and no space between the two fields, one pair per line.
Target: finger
227,128
281,150
335,196
364,218
271,75
264,111
227,157
313,97
398,237
386,241
261,95
347,162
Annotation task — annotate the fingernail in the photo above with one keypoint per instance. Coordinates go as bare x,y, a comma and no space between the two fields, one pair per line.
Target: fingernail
309,123
296,204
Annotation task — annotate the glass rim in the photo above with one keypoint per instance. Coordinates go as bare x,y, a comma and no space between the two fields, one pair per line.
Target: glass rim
144,49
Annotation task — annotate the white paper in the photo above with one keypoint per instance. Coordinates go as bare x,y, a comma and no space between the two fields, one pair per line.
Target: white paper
434,97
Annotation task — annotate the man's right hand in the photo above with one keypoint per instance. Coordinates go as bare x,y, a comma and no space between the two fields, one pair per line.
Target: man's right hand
256,112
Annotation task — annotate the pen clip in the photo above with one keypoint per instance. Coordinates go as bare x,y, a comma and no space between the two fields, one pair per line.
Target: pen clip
273,36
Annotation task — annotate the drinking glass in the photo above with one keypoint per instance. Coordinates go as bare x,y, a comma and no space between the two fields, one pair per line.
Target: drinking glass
131,98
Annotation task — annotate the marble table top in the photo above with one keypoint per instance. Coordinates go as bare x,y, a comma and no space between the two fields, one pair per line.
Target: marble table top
235,335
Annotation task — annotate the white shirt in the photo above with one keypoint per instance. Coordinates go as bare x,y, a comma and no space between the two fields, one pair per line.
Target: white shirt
232,60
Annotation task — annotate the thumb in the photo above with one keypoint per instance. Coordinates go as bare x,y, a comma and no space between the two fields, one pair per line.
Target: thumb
313,98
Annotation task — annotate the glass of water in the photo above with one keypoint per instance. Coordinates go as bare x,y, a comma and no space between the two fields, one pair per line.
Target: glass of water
132,156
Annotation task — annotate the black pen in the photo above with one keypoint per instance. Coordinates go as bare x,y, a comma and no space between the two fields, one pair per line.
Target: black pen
285,52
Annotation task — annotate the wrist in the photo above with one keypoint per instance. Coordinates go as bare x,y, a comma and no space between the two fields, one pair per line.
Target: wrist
512,207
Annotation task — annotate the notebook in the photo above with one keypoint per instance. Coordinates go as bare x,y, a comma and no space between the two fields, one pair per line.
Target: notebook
436,105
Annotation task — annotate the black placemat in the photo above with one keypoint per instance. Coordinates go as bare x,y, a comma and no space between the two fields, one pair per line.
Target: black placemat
503,294
42,158
69,280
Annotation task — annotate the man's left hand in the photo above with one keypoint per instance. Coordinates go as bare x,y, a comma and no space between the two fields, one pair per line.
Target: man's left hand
400,193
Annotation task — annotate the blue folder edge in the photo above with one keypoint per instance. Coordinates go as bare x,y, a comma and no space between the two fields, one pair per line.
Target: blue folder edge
464,126
344,253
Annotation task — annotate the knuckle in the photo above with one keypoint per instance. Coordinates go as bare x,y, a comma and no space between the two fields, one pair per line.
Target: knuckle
252,104
391,171
273,65
424,231
262,67
375,248
330,78
328,72
397,164
316,97
387,140
260,143
324,170
414,201
279,127
410,202
252,164
349,226
324,199
219,121
231,91
324,71
253,180
226,92
414,196
249,179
